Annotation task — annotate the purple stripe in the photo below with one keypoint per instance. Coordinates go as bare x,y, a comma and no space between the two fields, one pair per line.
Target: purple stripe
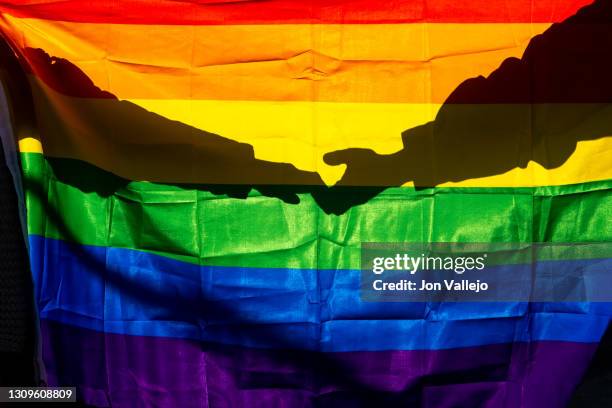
122,370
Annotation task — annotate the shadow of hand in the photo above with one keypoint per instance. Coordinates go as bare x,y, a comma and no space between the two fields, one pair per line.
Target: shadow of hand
367,174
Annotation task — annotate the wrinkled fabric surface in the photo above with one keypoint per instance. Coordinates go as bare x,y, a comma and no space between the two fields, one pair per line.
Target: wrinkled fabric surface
186,243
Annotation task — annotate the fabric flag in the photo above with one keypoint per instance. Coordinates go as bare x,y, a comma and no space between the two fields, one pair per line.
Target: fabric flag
199,177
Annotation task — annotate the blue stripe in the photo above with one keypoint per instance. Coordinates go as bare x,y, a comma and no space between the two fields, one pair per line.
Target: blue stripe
132,292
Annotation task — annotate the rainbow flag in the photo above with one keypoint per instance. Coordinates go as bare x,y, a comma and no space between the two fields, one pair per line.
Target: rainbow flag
199,177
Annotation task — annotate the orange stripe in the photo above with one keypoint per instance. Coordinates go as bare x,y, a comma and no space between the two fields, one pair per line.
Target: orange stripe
412,63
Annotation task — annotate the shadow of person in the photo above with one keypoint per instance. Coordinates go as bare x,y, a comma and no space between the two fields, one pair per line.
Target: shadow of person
461,127
141,145
531,109
314,370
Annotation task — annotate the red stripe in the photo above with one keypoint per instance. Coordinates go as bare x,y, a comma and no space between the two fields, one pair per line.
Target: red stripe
217,12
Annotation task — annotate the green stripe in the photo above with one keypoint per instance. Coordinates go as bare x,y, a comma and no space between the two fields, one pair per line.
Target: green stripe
94,207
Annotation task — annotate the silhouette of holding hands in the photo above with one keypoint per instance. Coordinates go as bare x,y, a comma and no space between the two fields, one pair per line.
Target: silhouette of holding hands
535,108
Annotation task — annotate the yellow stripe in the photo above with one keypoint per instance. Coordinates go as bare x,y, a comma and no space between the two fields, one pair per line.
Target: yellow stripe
299,133
409,63
30,145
